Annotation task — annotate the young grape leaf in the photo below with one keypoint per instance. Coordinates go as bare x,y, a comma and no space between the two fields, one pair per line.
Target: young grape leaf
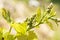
50,24
38,14
8,36
21,37
1,36
31,36
6,14
1,33
52,13
20,27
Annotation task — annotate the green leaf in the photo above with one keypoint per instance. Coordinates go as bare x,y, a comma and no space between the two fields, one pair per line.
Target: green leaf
1,33
8,36
0,36
32,36
45,19
21,37
50,24
38,14
55,20
20,27
29,36
52,13
6,14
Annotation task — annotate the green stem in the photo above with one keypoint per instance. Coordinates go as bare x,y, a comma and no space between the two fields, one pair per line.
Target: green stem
47,12
58,20
39,22
10,29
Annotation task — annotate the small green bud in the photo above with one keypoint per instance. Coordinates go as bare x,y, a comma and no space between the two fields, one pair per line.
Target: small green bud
49,8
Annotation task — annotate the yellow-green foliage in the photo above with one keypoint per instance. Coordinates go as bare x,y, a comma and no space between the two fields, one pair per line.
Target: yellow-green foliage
24,29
